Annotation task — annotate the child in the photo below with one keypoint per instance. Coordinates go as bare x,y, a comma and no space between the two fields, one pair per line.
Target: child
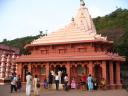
45,83
73,84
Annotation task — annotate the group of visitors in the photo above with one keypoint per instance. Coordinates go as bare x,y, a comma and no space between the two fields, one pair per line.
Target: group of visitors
16,84
57,78
36,85
53,77
88,83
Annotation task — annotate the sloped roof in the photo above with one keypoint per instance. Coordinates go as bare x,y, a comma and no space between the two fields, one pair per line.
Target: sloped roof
80,28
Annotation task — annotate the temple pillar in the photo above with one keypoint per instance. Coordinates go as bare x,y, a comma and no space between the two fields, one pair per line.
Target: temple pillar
16,67
23,74
8,67
68,70
2,71
29,68
111,74
13,65
19,69
47,69
74,73
103,66
2,67
118,80
90,67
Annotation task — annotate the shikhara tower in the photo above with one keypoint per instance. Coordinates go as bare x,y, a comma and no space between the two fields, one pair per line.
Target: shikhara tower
74,49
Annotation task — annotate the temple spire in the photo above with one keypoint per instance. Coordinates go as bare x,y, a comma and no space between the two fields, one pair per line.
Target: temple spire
82,3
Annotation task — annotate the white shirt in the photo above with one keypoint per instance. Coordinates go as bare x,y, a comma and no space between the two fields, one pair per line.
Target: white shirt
52,72
28,79
13,82
66,78
59,73
56,77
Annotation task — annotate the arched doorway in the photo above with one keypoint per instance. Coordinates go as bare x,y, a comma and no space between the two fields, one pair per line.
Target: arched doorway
61,70
25,71
73,72
80,70
97,72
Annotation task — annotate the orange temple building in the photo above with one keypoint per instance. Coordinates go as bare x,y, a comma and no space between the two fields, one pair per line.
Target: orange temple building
74,49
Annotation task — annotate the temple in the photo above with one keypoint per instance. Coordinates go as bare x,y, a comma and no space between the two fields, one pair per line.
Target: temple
7,65
74,49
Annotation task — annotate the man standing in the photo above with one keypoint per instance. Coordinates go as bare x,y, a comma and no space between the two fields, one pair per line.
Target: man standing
28,84
13,83
66,79
57,81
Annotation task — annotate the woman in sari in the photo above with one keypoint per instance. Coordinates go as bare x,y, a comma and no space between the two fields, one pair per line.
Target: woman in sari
90,82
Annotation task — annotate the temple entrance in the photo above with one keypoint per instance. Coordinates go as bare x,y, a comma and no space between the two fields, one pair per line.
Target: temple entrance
80,71
61,71
97,72
25,71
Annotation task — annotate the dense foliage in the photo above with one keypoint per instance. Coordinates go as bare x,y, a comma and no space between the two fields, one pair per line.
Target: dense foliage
20,43
115,27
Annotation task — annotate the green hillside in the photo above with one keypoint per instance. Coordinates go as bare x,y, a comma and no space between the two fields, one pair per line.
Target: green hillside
114,26
20,43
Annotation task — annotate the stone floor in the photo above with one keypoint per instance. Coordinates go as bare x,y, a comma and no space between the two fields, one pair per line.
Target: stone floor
5,91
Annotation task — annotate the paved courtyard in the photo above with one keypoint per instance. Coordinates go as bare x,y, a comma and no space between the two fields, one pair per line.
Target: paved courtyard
5,91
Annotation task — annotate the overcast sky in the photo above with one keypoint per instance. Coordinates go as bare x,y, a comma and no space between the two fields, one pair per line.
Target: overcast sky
19,18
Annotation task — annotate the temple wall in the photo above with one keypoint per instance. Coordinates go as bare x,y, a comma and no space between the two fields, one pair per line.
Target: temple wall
80,49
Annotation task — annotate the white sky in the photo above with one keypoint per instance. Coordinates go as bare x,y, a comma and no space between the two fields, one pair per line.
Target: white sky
19,18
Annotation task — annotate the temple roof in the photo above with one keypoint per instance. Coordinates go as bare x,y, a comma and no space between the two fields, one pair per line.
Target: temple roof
97,56
80,28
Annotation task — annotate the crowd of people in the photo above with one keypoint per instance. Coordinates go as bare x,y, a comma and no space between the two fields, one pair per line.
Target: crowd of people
90,83
34,83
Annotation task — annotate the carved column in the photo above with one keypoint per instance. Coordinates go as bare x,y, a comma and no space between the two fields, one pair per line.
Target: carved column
23,74
68,70
8,67
111,74
13,65
103,66
118,80
90,67
2,67
74,71
16,67
47,69
19,69
29,67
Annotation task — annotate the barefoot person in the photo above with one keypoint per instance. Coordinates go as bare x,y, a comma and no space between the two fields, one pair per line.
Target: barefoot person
84,79
28,84
90,82
36,85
